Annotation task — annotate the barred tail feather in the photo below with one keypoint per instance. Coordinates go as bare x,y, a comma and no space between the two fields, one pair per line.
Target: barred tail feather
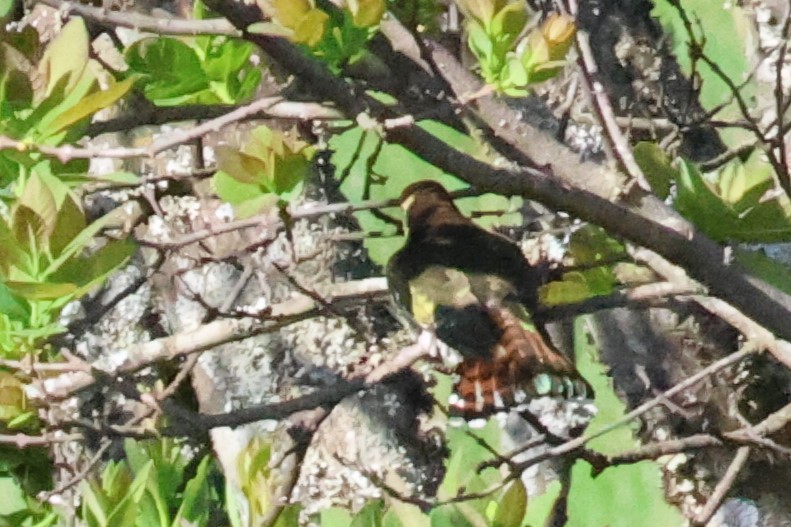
521,366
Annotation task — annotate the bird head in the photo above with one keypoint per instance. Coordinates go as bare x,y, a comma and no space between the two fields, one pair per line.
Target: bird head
427,204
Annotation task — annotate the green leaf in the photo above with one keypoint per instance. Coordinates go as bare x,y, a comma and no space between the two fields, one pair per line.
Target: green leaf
570,290
289,516
270,29
311,28
370,515
289,13
12,306
512,506
69,222
13,496
121,178
38,197
335,517
195,500
697,202
479,41
12,253
592,244
455,515
770,270
170,70
509,22
657,167
243,167
402,514
78,243
230,189
22,421
41,290
743,184
63,97
727,33
513,74
91,105
367,13
88,271
66,56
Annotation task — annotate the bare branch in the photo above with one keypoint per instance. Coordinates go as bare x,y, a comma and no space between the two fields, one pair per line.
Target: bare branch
577,443
152,115
180,136
141,22
601,104
207,336
724,485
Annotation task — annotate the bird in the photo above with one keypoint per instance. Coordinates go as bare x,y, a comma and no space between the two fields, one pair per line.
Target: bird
475,290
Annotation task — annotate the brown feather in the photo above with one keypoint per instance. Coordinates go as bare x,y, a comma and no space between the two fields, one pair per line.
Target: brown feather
509,377
475,286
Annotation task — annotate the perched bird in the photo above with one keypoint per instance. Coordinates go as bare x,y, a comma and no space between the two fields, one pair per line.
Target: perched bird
474,289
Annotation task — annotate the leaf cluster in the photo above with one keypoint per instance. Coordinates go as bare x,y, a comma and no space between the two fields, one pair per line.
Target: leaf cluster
510,56
335,35
270,166
156,485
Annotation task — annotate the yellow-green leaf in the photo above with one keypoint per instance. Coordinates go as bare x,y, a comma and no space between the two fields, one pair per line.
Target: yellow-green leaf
243,167
366,13
289,13
41,290
310,29
66,56
92,104
38,197
512,506
657,167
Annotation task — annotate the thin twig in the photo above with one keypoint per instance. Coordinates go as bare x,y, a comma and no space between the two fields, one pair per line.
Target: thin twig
207,336
141,22
576,443
723,487
79,476
601,104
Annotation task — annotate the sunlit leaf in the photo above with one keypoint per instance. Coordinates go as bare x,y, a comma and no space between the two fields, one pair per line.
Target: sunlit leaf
311,27
92,104
38,197
367,13
512,506
243,167
69,222
170,70
335,517
41,290
289,13
370,515
729,34
509,22
66,56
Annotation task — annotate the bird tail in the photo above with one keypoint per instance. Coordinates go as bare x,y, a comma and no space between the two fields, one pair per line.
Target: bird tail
520,367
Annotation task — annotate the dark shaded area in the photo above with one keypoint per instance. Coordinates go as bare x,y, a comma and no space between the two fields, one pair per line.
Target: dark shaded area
469,330
629,47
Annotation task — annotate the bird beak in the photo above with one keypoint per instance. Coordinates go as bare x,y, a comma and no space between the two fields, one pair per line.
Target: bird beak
408,202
